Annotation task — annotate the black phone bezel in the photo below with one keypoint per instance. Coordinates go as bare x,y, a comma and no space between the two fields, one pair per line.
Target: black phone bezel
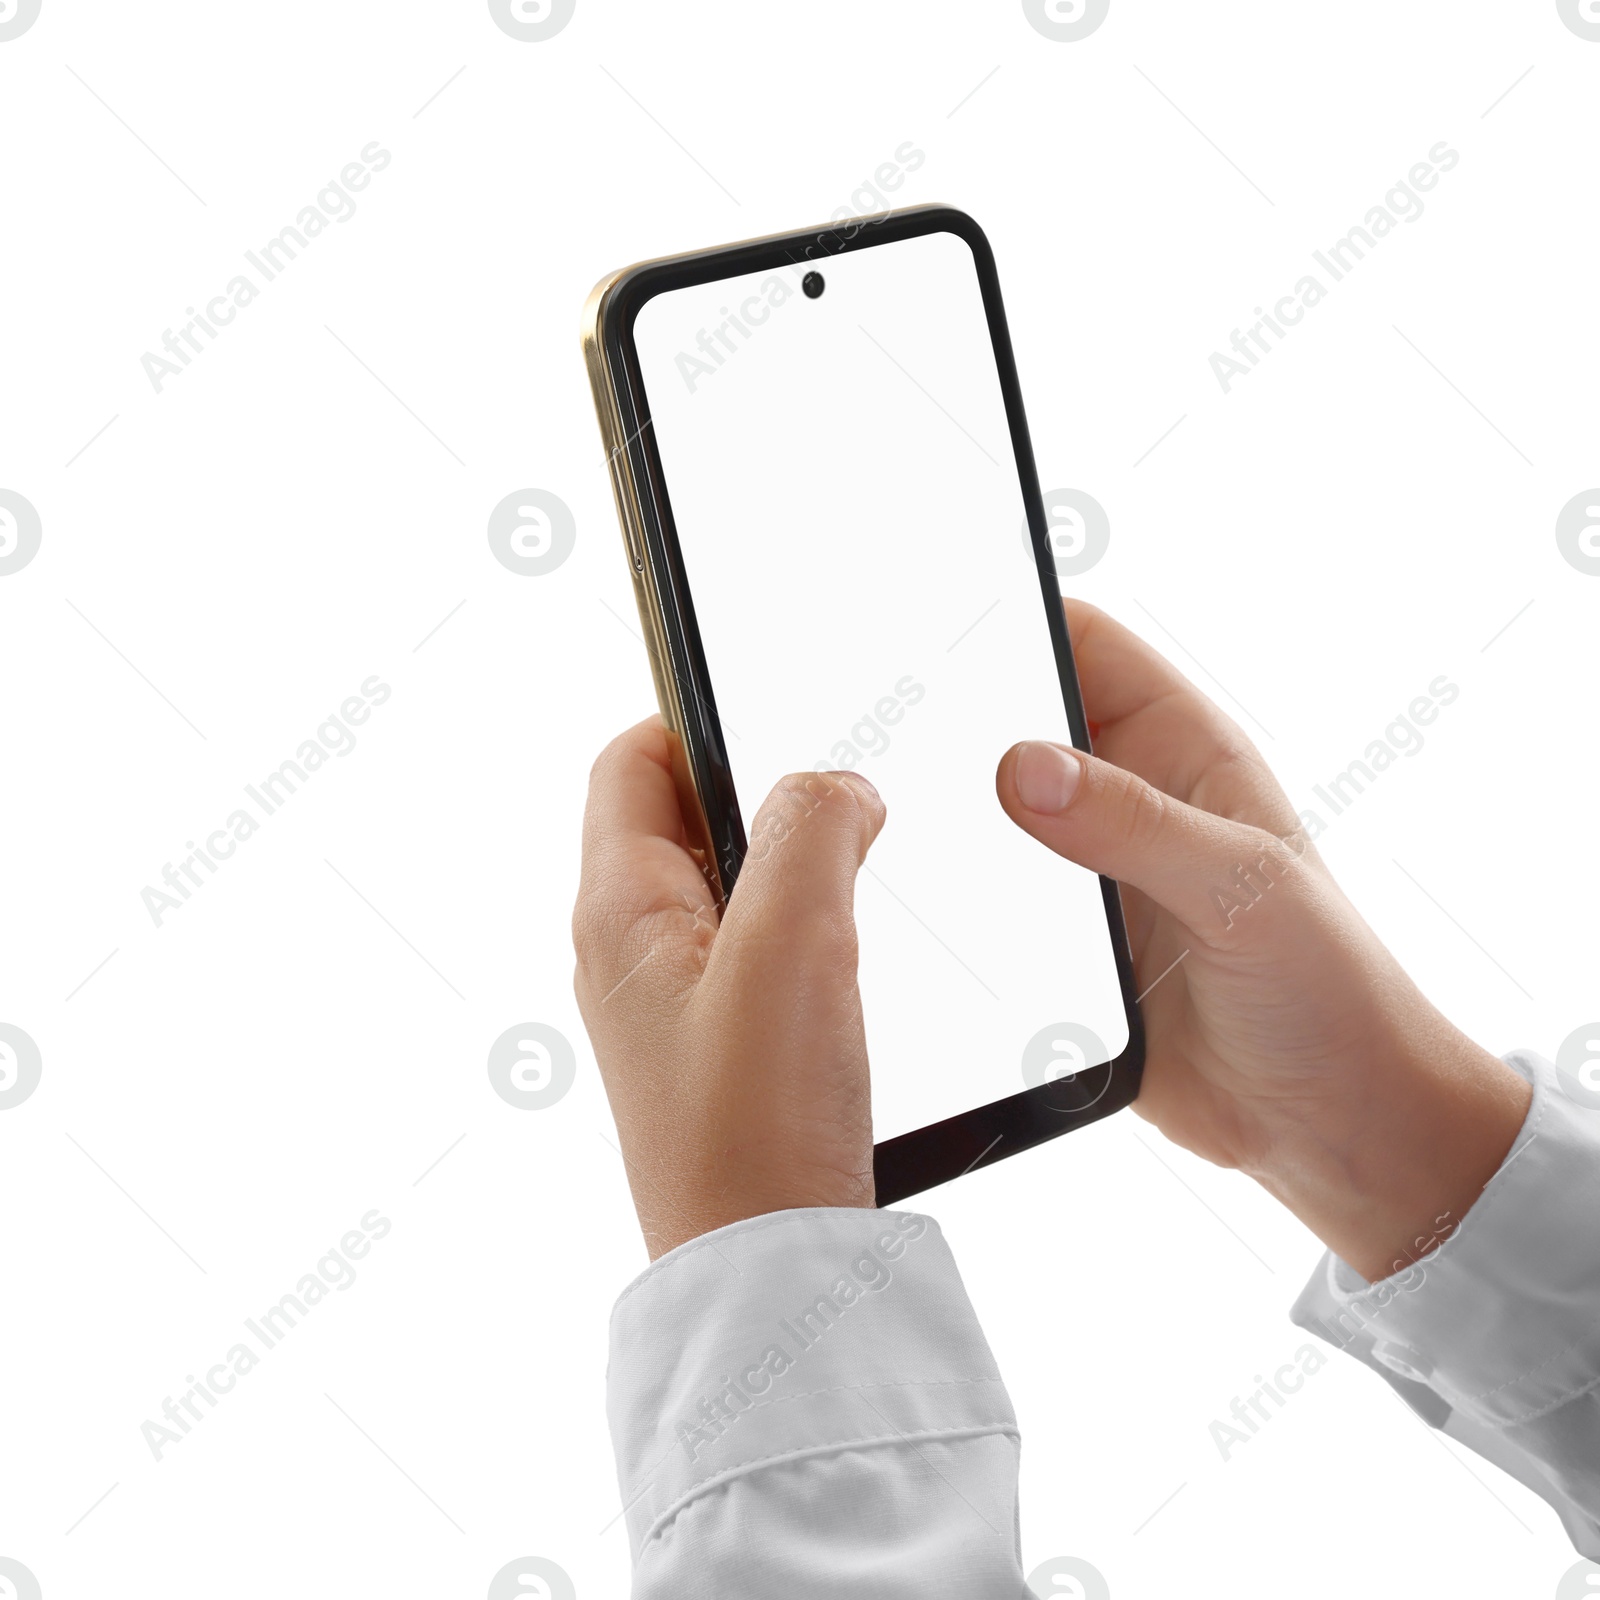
926,1157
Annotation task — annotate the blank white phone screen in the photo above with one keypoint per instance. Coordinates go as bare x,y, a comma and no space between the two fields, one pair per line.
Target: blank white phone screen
846,497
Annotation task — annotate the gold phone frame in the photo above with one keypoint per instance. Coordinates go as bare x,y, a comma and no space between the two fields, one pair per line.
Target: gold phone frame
673,694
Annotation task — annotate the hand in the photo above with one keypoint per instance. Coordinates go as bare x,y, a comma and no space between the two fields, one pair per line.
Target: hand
732,1049
1282,1037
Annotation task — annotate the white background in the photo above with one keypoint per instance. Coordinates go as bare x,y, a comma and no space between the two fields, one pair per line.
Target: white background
275,527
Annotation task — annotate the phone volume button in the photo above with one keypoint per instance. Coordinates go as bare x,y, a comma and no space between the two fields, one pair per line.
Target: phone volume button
625,513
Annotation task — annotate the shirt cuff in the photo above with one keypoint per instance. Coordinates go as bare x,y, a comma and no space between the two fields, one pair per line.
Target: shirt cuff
795,1334
1498,1323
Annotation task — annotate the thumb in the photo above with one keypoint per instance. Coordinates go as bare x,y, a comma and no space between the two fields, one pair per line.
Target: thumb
1115,823
796,888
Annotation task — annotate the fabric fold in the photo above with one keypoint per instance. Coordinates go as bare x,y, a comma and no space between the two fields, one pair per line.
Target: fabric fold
789,1336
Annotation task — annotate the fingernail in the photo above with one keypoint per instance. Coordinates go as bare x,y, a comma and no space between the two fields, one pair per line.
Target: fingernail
1047,777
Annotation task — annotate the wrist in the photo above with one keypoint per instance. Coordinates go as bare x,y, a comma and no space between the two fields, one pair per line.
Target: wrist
678,1206
1387,1175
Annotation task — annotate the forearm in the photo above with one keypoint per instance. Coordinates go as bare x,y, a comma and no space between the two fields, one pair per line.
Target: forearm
1387,1177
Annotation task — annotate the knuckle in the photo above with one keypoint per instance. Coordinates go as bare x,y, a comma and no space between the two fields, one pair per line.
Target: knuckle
810,789
593,942
1273,855
1143,814
599,914
607,758
799,798
1263,885
594,930
613,934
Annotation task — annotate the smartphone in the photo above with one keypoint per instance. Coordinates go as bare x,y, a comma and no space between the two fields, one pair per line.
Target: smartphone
842,562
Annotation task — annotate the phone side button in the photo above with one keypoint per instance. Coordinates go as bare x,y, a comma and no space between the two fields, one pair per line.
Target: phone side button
625,516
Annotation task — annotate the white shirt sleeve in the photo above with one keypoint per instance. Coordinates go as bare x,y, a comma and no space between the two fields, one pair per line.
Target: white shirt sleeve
804,1403
1494,1337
